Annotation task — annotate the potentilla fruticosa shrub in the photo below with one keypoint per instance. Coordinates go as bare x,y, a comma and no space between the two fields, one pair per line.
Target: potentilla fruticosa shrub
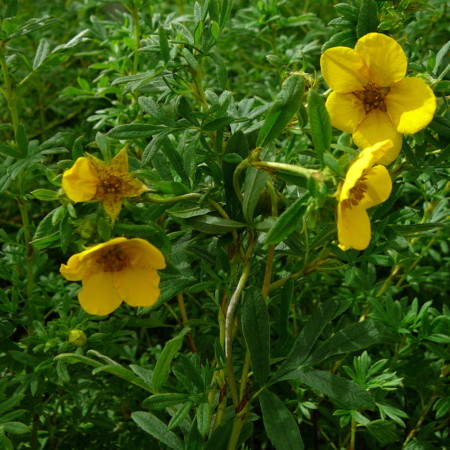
224,224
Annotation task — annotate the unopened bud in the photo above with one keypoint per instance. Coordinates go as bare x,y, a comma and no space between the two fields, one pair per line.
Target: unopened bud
77,338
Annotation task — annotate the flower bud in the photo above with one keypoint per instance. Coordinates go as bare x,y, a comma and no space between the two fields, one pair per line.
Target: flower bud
77,338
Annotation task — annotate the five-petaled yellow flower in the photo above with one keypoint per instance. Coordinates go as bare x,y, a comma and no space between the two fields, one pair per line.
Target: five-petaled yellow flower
365,185
115,271
91,179
372,99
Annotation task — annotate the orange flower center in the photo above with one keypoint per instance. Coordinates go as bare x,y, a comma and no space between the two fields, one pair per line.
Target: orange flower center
372,97
356,193
113,259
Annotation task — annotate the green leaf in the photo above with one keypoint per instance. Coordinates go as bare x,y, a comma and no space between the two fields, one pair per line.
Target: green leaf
221,68
254,185
133,131
10,403
344,39
41,53
119,371
350,339
203,416
15,427
161,401
280,426
319,121
345,391
162,368
44,194
33,25
9,151
22,140
289,221
236,145
218,124
384,431
367,18
283,110
180,415
158,429
255,327
163,43
213,225
308,336
11,9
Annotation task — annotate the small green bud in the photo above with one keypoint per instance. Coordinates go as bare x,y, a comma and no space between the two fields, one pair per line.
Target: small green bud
77,338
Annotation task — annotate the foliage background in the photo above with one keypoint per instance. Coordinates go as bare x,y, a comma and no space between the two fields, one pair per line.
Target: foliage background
80,84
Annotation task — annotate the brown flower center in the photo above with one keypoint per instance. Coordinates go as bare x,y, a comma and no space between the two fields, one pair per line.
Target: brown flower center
356,193
372,97
112,184
113,259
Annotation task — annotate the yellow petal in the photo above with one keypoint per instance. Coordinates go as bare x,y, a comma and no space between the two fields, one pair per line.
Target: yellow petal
411,105
80,181
143,254
375,127
119,163
133,187
76,268
384,57
353,227
362,164
345,111
379,187
137,286
98,295
112,205
343,69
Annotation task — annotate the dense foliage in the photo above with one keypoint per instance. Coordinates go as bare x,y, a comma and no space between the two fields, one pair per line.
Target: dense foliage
266,333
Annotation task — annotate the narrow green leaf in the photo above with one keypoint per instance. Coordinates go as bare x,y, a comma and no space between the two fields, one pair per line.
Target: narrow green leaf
367,18
236,145
221,68
22,140
218,124
162,368
11,9
214,225
255,327
119,371
344,38
161,401
254,185
10,403
41,53
9,151
280,426
15,427
283,110
308,336
163,44
289,221
203,416
345,391
180,415
319,121
158,429
350,339
133,131
44,194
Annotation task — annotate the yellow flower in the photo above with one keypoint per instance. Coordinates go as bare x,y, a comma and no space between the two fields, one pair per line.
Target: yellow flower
90,179
115,271
372,99
365,185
